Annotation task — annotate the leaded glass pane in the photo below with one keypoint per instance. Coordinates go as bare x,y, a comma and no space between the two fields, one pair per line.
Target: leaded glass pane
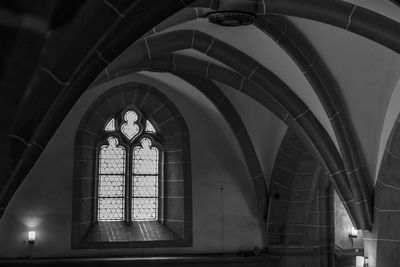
149,127
111,161
112,158
145,182
145,186
110,126
130,129
111,186
111,209
145,158
145,209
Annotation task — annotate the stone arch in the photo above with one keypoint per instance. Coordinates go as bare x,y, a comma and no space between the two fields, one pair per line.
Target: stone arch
285,34
341,14
234,80
177,187
249,68
232,117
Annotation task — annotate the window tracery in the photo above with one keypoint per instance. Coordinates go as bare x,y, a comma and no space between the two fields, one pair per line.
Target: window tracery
128,183
169,220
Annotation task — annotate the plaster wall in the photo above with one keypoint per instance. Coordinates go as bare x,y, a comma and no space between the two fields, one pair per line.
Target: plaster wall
266,130
224,208
343,227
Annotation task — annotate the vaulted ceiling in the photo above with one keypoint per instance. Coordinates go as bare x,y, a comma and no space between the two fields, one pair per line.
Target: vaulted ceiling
327,70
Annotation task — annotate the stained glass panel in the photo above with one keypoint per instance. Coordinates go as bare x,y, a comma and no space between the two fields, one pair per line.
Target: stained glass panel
111,186
111,203
149,127
130,129
145,186
112,174
111,209
144,209
145,158
110,126
112,158
145,182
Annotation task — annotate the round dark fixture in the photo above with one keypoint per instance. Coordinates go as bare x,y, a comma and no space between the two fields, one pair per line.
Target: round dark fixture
231,18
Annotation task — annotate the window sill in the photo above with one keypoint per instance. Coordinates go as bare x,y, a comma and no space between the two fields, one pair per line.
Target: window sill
136,234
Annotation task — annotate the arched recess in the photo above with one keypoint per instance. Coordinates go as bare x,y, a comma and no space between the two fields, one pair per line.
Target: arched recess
301,214
175,225
232,117
250,68
385,234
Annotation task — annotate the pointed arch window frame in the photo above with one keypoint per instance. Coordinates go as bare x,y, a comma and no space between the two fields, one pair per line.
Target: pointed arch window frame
175,225
129,145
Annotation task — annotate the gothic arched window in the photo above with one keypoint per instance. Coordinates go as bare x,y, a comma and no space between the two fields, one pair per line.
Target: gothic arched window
128,170
132,171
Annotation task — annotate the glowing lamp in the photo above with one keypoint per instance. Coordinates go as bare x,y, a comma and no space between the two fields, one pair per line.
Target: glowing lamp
361,261
31,237
353,233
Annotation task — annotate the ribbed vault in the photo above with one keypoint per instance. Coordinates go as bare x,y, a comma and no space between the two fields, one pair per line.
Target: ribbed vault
124,37
214,48
338,16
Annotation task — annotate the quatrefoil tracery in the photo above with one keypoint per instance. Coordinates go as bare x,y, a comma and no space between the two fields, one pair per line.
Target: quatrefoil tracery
130,129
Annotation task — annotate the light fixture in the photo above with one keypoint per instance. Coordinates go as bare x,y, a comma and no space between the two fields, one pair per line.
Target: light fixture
361,261
232,13
353,233
31,237
231,18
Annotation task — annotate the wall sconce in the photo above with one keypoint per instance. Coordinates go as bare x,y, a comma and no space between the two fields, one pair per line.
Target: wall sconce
361,261
353,233
31,237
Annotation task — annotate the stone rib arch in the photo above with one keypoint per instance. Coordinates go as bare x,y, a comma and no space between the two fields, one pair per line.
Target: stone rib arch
302,118
219,51
248,67
341,14
325,86
304,55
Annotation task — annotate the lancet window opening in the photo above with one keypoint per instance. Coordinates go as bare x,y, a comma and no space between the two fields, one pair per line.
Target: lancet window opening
128,168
